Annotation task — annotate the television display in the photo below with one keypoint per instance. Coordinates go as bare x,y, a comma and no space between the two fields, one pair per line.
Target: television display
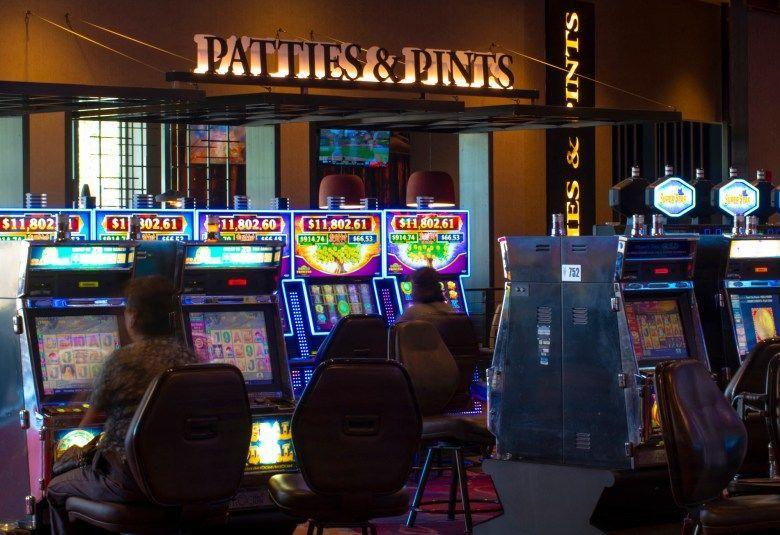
330,302
235,337
73,349
354,147
754,319
656,329
270,447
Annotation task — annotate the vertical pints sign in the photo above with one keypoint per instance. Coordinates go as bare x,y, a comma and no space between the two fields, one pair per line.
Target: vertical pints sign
571,169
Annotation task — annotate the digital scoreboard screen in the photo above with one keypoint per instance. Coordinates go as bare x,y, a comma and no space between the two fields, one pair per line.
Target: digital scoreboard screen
437,239
337,244
29,224
250,226
165,225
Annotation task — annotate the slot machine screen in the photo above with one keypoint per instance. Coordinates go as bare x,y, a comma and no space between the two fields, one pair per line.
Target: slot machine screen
270,447
754,318
73,349
330,302
234,337
656,329
67,438
450,290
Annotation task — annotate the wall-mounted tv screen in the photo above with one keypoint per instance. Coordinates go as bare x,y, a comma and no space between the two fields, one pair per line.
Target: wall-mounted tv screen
369,148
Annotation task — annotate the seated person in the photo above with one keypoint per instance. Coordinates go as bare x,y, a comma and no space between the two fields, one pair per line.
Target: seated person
118,389
427,296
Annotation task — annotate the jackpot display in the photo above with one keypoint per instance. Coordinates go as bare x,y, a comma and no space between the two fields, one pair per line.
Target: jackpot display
250,226
166,225
337,244
34,224
437,239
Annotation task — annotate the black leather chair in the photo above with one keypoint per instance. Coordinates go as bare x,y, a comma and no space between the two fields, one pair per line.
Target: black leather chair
355,336
458,334
705,443
186,448
418,346
749,380
355,432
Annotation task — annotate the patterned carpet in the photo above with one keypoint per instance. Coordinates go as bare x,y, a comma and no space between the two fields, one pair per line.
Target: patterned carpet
480,487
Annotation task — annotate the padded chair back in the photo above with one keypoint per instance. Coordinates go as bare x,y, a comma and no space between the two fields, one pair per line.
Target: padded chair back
355,336
751,375
188,441
356,429
418,346
458,334
704,437
773,401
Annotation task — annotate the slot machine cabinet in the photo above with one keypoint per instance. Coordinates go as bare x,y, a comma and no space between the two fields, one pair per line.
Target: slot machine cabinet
336,269
229,313
425,238
253,226
69,320
14,472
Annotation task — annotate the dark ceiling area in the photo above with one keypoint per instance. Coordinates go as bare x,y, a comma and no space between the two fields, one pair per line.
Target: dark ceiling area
189,106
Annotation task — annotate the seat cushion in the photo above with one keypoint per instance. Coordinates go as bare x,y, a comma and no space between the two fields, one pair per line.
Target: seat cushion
458,429
291,493
130,517
754,485
745,512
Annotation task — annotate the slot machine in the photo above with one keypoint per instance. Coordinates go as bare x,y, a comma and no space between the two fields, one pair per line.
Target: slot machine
415,239
336,266
585,322
250,226
155,225
229,313
69,320
41,224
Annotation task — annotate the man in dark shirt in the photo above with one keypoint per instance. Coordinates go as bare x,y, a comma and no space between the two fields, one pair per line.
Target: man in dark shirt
117,391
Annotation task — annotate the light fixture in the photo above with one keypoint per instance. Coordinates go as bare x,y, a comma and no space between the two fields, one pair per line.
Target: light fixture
170,199
435,184
350,187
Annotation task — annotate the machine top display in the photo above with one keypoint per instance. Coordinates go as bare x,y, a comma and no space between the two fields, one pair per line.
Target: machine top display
41,224
337,244
754,249
81,257
437,239
217,256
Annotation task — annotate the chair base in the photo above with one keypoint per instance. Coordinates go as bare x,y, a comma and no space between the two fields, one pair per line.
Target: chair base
459,479
367,528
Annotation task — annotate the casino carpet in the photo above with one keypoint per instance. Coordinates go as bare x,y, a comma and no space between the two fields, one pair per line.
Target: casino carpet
480,487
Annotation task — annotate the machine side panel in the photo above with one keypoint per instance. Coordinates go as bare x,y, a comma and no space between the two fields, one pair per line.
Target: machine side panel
594,422
529,361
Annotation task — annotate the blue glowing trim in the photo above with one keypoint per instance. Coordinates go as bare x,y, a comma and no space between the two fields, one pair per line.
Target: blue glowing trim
289,331
742,284
738,197
674,197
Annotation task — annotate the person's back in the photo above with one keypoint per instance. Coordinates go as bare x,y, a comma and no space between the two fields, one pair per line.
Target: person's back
117,391
427,296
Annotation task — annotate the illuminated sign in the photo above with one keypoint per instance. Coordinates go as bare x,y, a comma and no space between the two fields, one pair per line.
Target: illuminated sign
165,225
274,60
229,256
81,257
250,226
738,197
31,224
337,243
755,249
426,239
674,197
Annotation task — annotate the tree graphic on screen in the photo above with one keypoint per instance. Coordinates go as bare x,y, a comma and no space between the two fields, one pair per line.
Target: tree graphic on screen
341,254
428,252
